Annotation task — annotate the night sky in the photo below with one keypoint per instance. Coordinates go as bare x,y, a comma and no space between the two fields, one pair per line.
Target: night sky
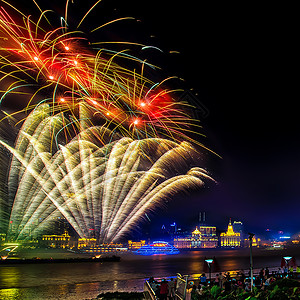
240,62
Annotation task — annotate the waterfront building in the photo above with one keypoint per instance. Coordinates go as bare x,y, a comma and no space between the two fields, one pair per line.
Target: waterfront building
104,248
204,237
56,240
135,245
196,239
89,245
230,238
256,242
86,242
296,239
183,242
209,238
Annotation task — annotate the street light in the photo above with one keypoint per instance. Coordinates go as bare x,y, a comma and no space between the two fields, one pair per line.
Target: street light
251,235
287,260
209,262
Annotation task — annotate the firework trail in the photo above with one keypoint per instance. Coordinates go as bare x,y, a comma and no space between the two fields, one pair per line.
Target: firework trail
101,145
56,63
104,190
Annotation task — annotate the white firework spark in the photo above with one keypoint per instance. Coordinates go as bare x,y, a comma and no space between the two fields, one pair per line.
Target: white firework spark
99,183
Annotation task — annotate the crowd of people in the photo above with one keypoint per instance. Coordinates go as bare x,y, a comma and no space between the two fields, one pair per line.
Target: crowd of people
165,289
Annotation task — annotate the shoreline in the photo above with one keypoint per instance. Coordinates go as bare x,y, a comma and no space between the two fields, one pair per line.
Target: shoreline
86,280
17,261
59,253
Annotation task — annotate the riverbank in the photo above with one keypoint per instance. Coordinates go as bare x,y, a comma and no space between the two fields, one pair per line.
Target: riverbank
95,259
281,289
78,281
52,253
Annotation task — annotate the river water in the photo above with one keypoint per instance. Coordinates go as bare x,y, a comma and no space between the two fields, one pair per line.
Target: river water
86,280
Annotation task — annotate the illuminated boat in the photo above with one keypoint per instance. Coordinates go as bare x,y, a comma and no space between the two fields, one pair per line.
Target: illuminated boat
276,247
156,248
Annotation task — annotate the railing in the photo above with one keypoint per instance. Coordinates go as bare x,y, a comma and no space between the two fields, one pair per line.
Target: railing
148,292
183,281
180,290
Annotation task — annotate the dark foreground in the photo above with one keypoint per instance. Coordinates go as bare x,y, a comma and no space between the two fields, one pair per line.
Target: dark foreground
120,295
280,290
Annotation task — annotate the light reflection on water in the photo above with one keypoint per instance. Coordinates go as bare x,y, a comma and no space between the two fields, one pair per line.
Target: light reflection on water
10,276
86,280
71,291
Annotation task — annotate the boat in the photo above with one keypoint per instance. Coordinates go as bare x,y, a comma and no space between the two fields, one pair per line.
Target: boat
157,248
276,247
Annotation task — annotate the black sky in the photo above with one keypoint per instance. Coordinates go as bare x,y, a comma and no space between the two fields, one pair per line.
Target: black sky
241,62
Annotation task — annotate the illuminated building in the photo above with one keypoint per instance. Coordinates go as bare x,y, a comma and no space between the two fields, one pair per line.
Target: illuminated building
230,238
157,248
296,239
239,228
83,242
56,240
183,243
2,237
255,242
196,239
89,245
135,245
104,248
204,237
209,238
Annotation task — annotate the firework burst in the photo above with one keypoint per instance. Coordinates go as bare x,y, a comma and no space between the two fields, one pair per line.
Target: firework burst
102,191
56,63
100,144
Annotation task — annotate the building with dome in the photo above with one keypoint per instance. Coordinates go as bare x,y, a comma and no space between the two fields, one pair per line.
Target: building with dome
230,238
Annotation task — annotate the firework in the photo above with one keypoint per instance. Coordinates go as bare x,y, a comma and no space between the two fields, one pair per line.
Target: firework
102,191
100,145
63,73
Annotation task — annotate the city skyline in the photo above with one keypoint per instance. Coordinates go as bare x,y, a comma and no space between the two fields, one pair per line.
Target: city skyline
99,142
162,129
258,172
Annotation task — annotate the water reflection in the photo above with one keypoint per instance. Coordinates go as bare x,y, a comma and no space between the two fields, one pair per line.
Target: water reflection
87,280
9,276
10,294
196,267
69,292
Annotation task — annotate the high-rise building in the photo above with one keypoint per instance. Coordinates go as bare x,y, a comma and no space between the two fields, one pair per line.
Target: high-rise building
230,238
239,227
